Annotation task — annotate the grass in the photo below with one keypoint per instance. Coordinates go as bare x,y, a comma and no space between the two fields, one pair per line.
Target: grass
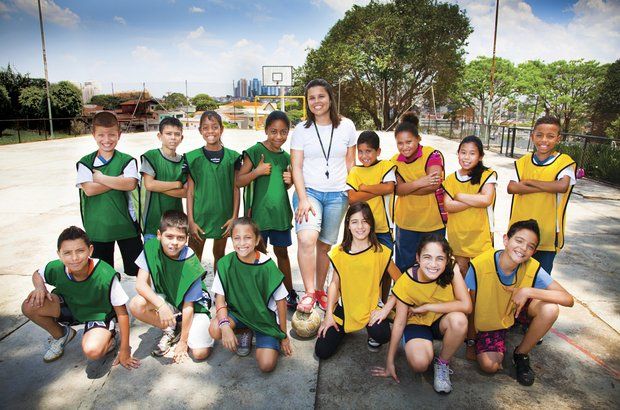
10,136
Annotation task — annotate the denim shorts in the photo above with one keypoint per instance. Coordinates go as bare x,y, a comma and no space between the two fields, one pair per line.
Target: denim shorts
330,208
263,341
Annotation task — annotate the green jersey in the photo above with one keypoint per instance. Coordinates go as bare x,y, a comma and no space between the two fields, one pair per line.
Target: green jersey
88,300
248,288
214,185
156,203
173,278
106,216
266,199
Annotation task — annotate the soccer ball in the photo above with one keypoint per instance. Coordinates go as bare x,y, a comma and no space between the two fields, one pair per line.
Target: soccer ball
306,325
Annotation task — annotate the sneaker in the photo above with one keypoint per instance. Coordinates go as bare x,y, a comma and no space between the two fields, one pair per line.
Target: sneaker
292,299
442,383
321,299
373,345
525,374
245,343
170,337
57,346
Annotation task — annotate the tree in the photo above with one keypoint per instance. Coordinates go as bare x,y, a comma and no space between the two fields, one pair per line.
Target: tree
204,102
606,106
386,55
32,102
107,101
174,100
5,108
66,100
13,83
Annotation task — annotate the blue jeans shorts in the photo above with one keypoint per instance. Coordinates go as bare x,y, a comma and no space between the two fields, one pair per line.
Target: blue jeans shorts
407,245
263,341
330,208
277,238
386,239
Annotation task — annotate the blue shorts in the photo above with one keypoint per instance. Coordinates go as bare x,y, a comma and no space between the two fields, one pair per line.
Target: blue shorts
330,208
277,238
386,239
148,236
430,333
546,259
263,341
407,245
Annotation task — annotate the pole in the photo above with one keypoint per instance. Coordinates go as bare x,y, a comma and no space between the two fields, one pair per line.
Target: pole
186,100
282,99
489,111
47,83
112,84
339,81
434,107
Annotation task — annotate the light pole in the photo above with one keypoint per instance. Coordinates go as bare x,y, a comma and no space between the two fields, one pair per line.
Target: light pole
47,83
490,110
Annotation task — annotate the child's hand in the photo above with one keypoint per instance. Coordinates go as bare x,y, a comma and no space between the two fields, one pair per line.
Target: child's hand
166,316
195,231
285,346
37,297
125,359
378,316
180,352
262,168
519,298
388,371
431,179
287,176
326,324
227,227
362,187
417,310
97,176
229,340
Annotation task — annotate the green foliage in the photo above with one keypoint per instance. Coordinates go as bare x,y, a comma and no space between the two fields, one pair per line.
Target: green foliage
600,161
5,108
204,102
66,100
295,115
606,107
107,101
386,55
230,125
613,131
173,101
33,103
13,82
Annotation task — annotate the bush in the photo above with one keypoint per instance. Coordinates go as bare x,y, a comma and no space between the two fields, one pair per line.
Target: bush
600,160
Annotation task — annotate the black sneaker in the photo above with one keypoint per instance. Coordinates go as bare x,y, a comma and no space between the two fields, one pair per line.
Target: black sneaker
525,374
292,299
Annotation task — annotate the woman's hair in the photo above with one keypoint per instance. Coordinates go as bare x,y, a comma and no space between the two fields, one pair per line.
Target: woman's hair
275,116
476,172
246,220
369,138
408,122
347,238
333,111
211,115
446,277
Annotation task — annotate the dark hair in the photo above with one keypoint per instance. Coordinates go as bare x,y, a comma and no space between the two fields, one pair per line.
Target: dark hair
170,122
72,233
446,277
333,111
476,172
547,119
105,119
408,122
246,220
173,219
275,116
529,224
369,138
347,237
211,115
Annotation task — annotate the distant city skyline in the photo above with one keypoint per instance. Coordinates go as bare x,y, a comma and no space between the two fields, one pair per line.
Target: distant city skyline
211,43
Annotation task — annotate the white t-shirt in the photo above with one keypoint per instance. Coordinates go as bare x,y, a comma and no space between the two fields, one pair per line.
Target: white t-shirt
118,297
130,171
279,294
314,165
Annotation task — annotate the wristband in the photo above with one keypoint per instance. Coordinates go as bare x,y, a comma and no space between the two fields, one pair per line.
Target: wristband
159,307
221,307
222,322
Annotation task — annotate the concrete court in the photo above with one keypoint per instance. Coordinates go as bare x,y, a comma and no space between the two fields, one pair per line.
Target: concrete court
577,365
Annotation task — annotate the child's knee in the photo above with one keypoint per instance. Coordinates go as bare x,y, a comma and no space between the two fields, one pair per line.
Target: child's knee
548,312
457,322
93,350
137,305
488,365
27,309
214,330
201,354
281,252
267,364
418,363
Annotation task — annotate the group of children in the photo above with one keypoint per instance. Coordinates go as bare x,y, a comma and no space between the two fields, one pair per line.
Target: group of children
408,195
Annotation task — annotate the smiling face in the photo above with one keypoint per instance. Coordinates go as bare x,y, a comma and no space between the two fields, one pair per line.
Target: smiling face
432,260
367,155
469,156
318,101
211,132
244,241
359,226
74,254
545,137
521,245
172,241
106,139
277,134
170,137
407,143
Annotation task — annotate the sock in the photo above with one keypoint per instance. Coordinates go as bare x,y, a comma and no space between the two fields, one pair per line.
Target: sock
442,361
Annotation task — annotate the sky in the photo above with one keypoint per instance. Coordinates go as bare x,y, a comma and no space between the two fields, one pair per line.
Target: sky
211,43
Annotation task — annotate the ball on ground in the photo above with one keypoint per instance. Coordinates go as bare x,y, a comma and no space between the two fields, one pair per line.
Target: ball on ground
306,324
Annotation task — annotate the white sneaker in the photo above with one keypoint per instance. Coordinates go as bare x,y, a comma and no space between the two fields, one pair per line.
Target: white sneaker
373,345
245,343
57,346
442,383
170,337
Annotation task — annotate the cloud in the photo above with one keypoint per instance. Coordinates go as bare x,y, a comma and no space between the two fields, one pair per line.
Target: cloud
145,54
195,9
593,32
52,12
341,6
120,20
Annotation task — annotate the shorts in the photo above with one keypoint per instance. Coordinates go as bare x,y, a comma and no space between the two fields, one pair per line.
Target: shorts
407,245
545,258
386,239
66,317
277,238
330,208
491,341
425,332
263,341
199,337
148,237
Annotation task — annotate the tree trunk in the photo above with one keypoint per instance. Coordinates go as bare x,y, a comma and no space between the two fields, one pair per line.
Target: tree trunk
385,106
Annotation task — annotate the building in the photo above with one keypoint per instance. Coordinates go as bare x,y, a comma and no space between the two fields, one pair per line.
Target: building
243,113
89,90
255,87
242,89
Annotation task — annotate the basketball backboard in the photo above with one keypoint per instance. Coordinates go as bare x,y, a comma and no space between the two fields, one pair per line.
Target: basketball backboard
278,75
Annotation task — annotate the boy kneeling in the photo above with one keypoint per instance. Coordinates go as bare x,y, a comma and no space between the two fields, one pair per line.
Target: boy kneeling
86,291
510,284
175,274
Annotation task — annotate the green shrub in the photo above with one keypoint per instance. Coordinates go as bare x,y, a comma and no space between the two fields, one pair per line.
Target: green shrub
600,161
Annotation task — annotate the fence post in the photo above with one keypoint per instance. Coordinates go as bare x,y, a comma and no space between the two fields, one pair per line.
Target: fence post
450,129
501,145
583,154
19,137
512,145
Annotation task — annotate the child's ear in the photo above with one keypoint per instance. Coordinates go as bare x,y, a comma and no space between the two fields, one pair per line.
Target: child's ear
379,151
158,235
91,249
505,240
